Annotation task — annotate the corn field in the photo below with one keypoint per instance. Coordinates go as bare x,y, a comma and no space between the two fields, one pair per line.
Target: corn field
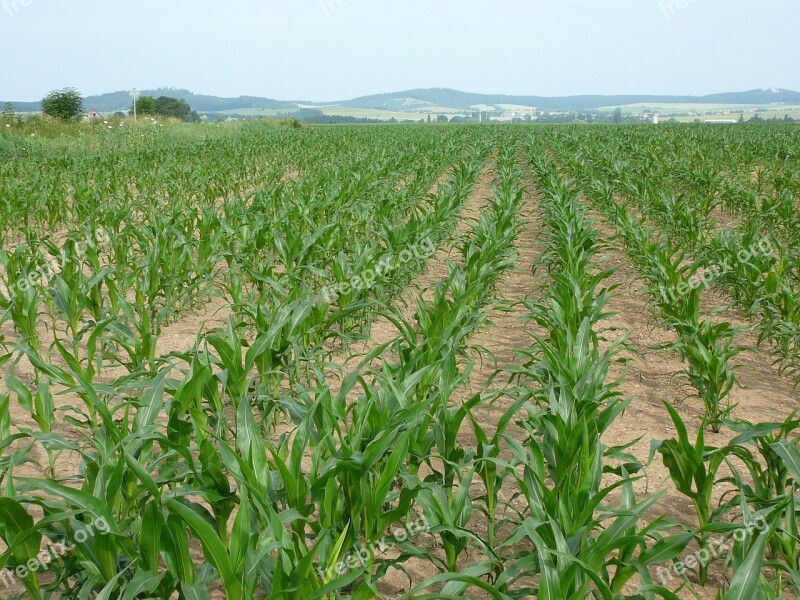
354,362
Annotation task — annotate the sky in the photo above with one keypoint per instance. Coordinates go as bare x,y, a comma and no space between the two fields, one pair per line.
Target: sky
340,49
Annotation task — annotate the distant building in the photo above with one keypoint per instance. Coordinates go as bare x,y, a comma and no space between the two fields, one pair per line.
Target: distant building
734,121
93,115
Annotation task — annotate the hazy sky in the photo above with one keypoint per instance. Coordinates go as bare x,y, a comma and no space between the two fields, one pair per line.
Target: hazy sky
339,49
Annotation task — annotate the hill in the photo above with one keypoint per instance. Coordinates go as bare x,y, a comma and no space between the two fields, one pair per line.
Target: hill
115,101
434,100
464,101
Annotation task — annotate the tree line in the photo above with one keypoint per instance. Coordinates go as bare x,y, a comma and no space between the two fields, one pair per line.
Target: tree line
67,104
165,106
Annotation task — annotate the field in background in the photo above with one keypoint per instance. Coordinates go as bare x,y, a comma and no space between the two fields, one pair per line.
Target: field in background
702,111
255,361
503,112
709,111
666,109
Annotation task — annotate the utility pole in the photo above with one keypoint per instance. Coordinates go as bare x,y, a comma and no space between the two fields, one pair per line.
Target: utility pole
135,96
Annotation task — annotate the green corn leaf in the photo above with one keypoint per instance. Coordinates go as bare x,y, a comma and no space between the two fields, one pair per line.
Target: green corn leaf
746,580
17,529
150,536
74,498
214,549
143,582
110,587
175,546
790,456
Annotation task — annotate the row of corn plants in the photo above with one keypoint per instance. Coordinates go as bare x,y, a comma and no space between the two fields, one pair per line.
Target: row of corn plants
674,280
149,472
581,515
253,465
761,562
684,184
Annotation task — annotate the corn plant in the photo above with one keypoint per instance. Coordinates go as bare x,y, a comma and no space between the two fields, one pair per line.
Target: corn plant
694,469
253,462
